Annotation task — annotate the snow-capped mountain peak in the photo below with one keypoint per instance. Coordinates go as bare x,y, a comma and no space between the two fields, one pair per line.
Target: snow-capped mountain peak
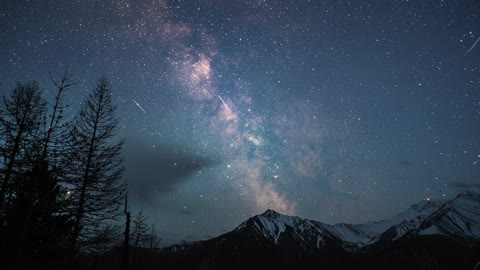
271,214
431,230
457,217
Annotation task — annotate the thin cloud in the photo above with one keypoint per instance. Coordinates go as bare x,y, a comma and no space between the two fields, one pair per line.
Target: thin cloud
160,169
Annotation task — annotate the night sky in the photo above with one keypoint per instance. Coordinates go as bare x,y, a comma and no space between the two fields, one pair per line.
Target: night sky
338,111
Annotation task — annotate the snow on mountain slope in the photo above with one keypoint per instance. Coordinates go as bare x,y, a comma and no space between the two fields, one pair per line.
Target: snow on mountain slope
275,241
354,234
415,213
368,233
273,226
457,217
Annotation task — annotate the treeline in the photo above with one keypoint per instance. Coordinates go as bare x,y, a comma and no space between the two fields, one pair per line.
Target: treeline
61,186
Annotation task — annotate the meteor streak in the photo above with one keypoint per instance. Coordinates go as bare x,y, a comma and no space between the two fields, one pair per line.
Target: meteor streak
226,106
139,106
346,127
473,46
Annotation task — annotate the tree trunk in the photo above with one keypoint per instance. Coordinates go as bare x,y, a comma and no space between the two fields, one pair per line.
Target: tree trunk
126,243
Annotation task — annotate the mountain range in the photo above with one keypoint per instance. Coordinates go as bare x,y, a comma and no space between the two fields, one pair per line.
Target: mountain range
432,234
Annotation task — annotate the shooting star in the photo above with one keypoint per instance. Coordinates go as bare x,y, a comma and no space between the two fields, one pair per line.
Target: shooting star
473,46
346,127
226,106
139,106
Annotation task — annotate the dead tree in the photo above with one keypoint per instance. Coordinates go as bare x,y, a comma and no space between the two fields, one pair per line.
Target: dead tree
96,165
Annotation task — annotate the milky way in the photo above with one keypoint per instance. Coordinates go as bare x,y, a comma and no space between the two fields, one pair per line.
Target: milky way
331,110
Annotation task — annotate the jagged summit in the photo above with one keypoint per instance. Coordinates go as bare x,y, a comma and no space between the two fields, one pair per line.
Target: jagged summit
459,217
269,213
438,227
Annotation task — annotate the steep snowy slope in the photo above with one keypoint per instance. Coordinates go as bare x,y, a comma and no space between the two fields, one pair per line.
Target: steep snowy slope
457,217
429,235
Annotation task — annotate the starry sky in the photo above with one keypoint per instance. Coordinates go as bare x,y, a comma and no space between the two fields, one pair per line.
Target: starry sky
338,111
